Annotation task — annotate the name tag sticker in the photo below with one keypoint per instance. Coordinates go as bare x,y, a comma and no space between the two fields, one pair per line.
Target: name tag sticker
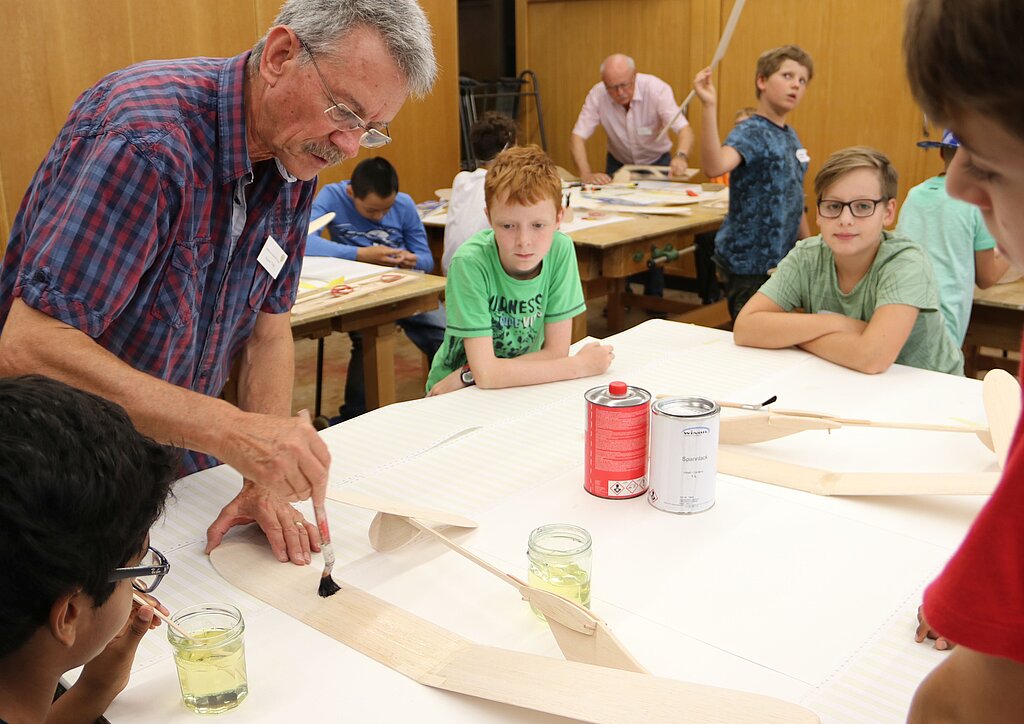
643,131
802,156
272,257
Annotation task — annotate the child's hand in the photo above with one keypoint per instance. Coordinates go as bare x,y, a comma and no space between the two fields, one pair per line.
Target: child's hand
378,254
925,631
704,88
106,675
594,358
408,260
448,384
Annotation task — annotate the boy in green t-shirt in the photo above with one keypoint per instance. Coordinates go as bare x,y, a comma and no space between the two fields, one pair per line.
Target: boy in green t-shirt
513,289
869,298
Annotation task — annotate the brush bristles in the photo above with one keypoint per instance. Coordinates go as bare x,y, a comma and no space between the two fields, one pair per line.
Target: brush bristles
327,586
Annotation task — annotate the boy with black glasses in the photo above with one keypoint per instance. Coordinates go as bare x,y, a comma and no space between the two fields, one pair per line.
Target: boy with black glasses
79,490
869,297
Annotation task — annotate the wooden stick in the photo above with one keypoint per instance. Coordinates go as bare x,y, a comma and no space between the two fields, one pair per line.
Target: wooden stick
166,619
723,44
853,420
436,657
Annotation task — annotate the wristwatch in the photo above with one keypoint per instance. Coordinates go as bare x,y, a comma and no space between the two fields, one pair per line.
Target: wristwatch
682,153
467,376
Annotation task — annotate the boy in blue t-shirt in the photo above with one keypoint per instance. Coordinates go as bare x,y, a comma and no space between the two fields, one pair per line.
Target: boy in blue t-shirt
766,165
376,224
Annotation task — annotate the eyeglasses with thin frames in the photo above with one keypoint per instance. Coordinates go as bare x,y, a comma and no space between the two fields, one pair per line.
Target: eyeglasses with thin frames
345,118
620,87
148,574
859,208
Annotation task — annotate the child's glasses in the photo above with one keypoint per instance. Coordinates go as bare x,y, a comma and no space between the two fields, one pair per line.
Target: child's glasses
148,574
860,208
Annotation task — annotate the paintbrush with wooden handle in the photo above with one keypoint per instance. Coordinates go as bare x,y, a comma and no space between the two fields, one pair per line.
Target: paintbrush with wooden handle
328,586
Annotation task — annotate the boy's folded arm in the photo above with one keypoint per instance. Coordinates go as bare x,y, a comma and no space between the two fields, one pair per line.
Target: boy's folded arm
876,347
549,364
763,323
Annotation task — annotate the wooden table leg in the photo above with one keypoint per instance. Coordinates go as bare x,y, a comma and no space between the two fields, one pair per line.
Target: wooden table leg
616,310
379,364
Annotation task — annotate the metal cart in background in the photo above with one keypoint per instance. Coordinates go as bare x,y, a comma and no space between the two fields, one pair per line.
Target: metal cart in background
503,95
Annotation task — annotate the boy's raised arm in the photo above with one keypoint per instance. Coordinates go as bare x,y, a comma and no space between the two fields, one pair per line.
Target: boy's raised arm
876,347
715,159
763,323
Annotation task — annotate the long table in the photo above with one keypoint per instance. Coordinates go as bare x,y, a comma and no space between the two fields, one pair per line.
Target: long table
374,316
806,598
609,254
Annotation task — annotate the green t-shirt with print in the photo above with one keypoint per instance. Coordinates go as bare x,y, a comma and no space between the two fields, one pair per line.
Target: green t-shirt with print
900,274
482,300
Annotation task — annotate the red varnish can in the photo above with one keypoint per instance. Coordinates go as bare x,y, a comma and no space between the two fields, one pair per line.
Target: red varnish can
618,424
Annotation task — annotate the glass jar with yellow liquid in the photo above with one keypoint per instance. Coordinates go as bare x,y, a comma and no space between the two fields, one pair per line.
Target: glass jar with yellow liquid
560,558
211,662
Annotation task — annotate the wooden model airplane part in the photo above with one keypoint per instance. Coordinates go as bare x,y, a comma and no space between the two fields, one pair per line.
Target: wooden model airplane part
732,461
320,222
333,294
1001,394
398,507
581,635
770,423
436,657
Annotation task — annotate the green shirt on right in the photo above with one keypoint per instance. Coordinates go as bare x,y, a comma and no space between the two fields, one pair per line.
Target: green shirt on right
900,274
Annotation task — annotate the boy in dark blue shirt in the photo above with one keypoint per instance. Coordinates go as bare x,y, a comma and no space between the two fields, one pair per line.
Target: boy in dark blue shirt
766,163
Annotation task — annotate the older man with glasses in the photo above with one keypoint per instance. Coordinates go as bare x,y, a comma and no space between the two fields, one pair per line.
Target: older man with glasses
634,109
161,240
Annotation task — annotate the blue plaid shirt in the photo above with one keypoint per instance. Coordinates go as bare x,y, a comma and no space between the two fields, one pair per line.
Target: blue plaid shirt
125,232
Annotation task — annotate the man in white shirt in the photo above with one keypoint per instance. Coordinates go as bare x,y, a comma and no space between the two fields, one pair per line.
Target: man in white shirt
633,108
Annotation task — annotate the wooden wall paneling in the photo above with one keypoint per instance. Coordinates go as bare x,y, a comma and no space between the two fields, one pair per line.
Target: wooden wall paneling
187,28
564,42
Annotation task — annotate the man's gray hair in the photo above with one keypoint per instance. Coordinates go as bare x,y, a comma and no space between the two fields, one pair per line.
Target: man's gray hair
629,61
401,23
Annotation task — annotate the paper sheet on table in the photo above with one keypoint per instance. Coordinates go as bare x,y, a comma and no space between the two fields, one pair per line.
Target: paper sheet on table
583,221
317,271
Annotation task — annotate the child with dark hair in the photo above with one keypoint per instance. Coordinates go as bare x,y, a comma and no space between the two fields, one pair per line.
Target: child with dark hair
377,224
79,490
966,70
491,134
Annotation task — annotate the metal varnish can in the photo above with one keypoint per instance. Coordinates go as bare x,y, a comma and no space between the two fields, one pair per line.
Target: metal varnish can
684,454
618,420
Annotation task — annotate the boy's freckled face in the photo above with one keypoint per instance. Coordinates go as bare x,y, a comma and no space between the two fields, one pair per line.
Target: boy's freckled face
784,88
846,235
988,171
523,234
